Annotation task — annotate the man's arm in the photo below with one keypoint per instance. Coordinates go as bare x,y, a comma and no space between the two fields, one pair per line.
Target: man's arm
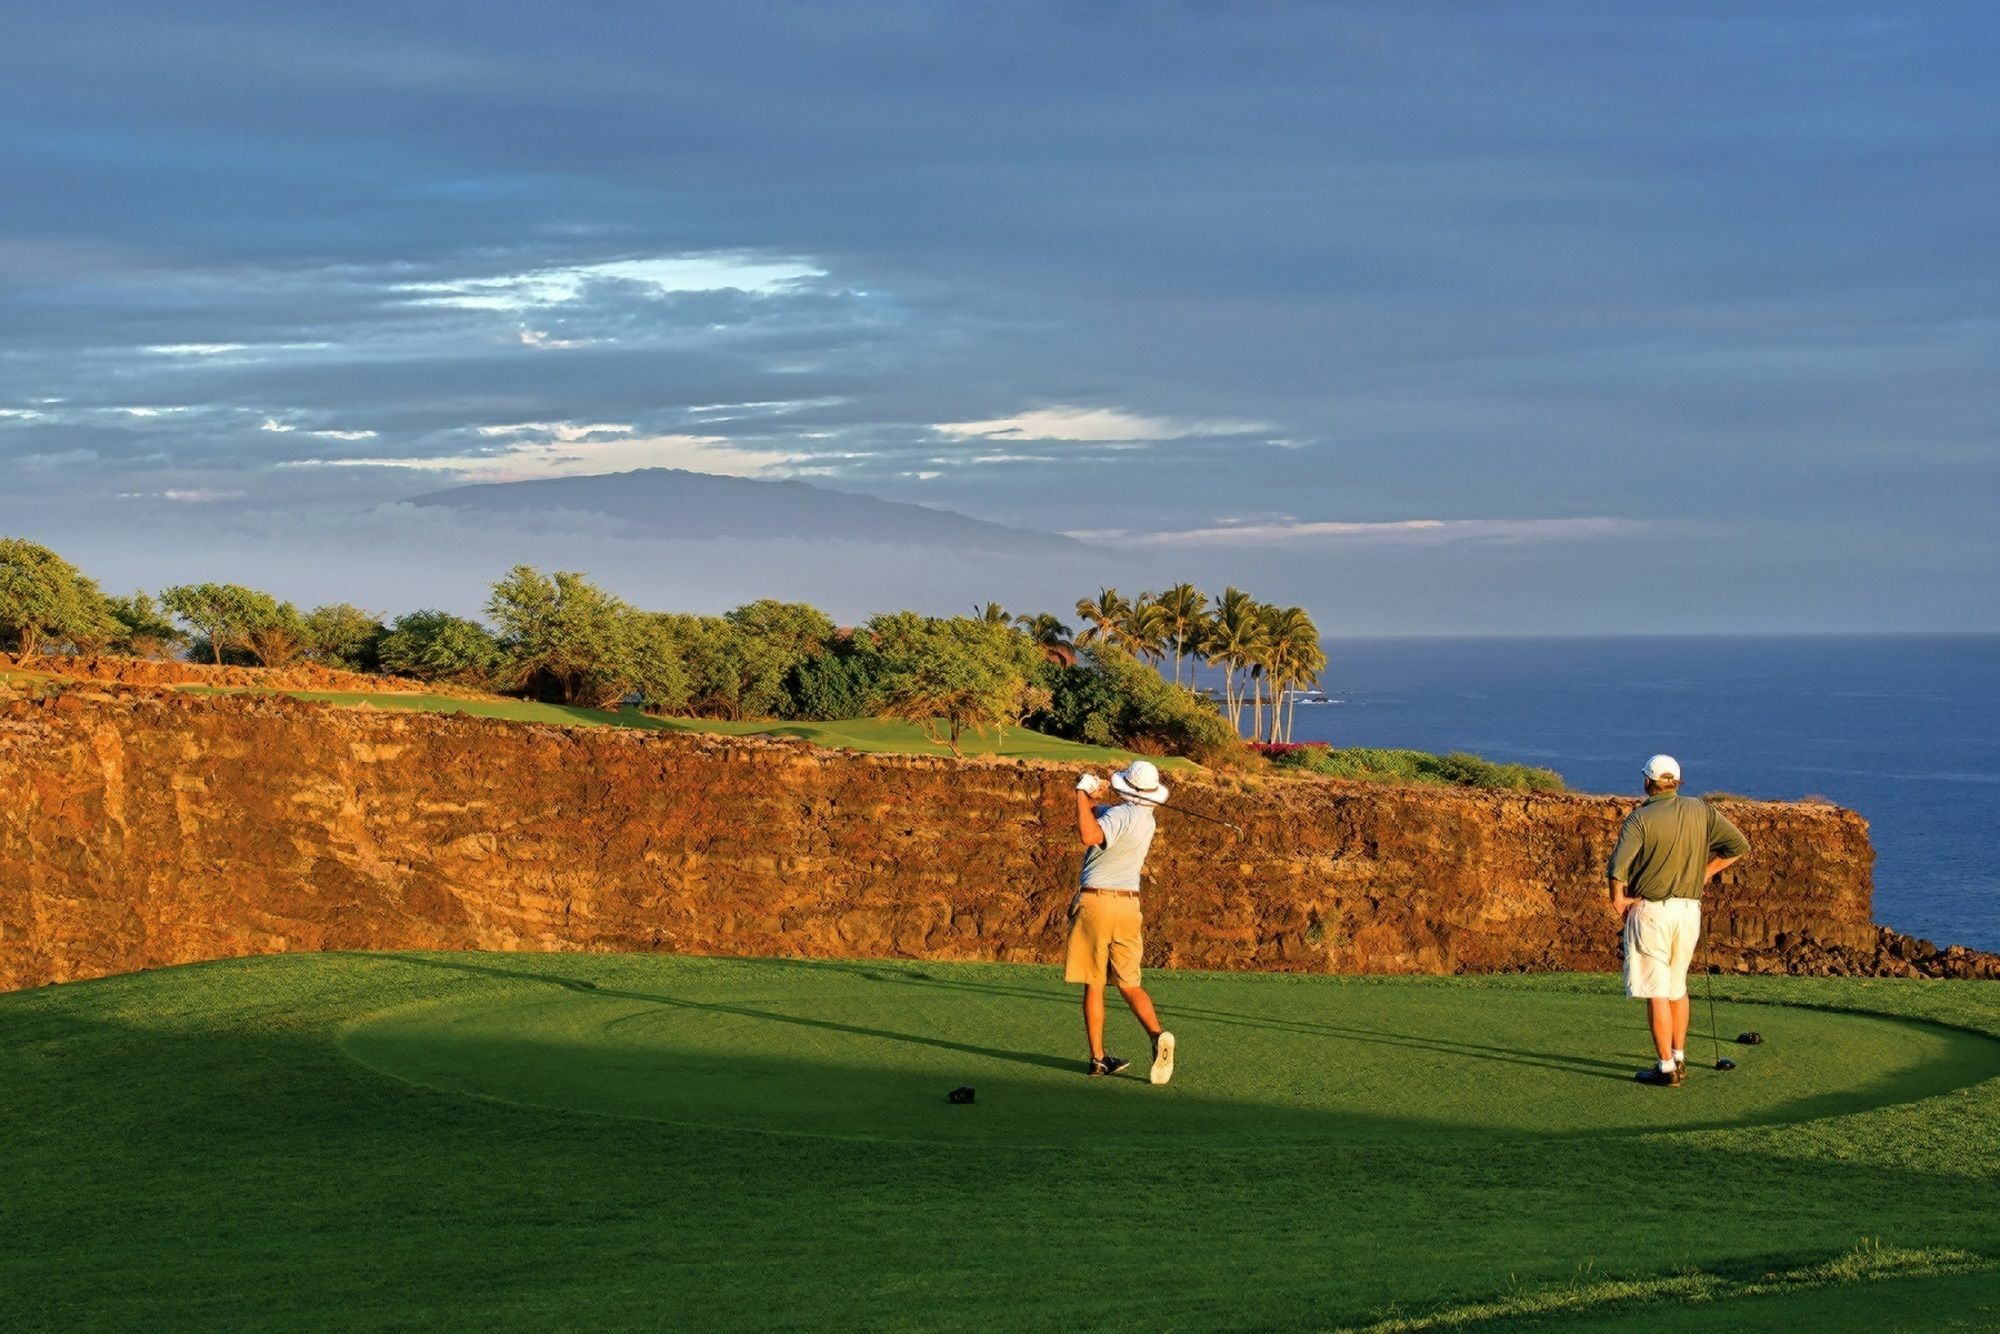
1620,867
1726,845
1086,821
1621,902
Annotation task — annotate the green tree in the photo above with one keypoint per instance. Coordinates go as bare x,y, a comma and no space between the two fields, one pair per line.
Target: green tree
273,632
831,685
43,598
772,639
340,634
710,651
1156,715
954,675
1083,705
437,646
144,628
992,614
563,637
218,614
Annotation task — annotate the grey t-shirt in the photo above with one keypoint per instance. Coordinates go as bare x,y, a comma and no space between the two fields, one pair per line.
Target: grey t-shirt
1118,863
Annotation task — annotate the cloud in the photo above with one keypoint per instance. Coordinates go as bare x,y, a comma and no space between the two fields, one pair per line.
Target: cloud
564,431
661,276
543,338
194,349
184,495
1427,532
567,450
1091,424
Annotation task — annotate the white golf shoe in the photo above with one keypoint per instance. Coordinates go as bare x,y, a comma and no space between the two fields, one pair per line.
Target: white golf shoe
1163,1059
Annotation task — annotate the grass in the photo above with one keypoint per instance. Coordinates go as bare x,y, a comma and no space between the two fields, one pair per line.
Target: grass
615,1141
872,735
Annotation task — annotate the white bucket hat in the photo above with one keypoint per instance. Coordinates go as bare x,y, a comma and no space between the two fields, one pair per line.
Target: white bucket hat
1140,780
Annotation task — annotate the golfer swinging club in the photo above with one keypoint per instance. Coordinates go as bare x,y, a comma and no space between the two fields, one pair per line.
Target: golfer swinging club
1104,932
1669,849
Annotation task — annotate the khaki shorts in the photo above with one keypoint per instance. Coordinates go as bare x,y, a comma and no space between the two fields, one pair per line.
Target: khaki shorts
1659,946
1106,931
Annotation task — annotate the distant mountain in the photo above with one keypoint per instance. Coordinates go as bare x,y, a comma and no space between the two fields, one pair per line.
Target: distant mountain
670,502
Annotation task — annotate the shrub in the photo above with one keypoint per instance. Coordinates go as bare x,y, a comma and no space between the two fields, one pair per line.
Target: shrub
340,634
829,685
437,646
1111,698
1083,705
1458,769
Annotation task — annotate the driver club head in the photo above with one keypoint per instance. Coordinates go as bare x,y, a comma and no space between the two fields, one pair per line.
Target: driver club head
1725,1064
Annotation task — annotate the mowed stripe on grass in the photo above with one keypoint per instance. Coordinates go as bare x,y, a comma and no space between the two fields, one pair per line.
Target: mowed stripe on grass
201,1147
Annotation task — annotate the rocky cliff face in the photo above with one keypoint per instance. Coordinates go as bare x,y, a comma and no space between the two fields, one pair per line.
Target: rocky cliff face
146,827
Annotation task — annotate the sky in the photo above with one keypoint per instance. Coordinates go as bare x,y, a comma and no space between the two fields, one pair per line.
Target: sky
1434,318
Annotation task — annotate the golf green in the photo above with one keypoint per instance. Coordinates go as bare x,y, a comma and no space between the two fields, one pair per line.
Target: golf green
595,1141
868,1050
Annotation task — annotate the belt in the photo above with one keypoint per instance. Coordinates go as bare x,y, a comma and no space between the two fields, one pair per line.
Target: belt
1124,893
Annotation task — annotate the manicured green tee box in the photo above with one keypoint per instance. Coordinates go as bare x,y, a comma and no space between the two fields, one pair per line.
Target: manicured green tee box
621,1141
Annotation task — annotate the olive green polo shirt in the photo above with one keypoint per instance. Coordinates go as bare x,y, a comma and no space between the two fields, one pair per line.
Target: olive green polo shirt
1664,848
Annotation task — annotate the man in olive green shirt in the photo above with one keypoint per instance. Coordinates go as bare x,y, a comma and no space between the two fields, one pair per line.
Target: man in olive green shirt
1668,850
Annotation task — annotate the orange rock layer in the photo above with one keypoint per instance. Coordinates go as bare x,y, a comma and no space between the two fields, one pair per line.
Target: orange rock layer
146,827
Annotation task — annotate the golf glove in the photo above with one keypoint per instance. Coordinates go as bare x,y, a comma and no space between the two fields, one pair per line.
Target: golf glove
1089,783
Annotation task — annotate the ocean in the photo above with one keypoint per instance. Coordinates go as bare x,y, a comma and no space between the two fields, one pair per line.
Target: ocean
1904,729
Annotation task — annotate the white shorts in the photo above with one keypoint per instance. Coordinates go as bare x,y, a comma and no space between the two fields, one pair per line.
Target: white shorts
1659,945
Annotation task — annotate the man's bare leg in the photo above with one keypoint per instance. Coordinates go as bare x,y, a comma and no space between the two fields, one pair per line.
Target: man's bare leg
1093,1018
1142,1009
1683,1009
1660,1015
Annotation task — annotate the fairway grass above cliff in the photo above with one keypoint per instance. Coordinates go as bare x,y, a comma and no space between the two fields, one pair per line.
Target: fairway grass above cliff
871,735
623,1141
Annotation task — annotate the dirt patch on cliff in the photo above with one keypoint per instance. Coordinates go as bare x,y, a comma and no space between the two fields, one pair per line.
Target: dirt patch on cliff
162,672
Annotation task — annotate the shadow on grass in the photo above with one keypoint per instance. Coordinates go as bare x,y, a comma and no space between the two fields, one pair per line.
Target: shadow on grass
745,1012
1565,1062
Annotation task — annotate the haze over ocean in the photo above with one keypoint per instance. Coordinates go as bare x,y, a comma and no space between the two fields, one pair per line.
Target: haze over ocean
1904,729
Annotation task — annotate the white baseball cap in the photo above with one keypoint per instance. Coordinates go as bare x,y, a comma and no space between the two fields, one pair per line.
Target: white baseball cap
1141,779
1663,769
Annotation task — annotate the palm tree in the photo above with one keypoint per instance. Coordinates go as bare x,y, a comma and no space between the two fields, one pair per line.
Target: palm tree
1148,630
1231,644
1104,618
1045,629
991,614
1185,607
1305,658
1291,656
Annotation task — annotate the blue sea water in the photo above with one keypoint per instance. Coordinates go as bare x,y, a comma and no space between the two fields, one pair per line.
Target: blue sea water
1904,729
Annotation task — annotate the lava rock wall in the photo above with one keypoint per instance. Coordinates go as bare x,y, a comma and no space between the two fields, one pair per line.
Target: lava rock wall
148,827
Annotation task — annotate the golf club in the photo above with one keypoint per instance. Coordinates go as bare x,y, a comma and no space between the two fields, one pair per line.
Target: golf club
1232,828
1714,1037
